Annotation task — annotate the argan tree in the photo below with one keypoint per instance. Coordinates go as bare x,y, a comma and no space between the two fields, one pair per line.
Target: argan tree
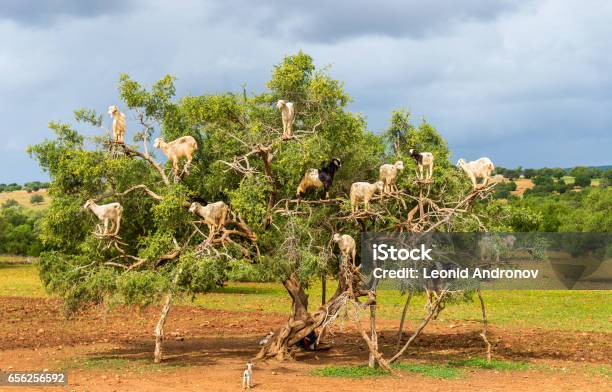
163,250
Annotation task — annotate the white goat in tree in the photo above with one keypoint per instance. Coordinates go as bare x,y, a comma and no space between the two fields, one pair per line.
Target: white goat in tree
482,168
177,149
347,246
213,214
363,192
288,116
118,124
108,213
388,175
247,376
424,161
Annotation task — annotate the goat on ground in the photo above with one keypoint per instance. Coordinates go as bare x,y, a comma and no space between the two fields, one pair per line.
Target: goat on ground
247,376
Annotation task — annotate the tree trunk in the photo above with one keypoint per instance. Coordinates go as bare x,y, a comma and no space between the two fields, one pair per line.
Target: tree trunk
301,322
483,335
373,336
159,328
323,289
401,326
420,328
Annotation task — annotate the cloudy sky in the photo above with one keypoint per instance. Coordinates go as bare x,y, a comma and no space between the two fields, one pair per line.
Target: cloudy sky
524,82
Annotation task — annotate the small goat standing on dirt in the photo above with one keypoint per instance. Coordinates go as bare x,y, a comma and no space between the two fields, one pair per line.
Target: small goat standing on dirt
108,213
388,175
347,246
214,214
482,167
363,191
175,150
322,178
424,162
118,124
247,376
288,116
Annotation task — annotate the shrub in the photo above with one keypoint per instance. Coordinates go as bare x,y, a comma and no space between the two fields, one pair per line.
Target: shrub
37,199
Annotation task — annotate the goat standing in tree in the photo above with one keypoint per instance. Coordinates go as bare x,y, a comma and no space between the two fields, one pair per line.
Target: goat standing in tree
214,215
182,147
363,192
322,178
288,116
482,167
424,162
388,175
347,246
118,124
107,213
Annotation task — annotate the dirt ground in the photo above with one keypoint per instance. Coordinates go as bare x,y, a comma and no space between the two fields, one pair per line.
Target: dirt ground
206,351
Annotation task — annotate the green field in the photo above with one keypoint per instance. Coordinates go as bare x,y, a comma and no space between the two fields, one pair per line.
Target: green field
561,310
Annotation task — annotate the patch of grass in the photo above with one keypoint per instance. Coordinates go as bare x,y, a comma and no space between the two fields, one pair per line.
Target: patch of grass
495,364
20,280
349,372
430,370
569,310
446,371
601,370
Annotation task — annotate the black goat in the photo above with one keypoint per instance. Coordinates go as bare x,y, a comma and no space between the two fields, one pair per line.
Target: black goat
424,162
322,178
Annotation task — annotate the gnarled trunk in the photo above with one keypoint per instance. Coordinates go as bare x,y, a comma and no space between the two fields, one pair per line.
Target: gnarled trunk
301,322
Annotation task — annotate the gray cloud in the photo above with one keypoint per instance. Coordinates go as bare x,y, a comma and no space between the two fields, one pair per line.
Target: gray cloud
331,21
34,12
524,83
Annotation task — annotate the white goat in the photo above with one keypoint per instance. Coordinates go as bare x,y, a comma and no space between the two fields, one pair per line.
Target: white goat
266,339
347,246
424,162
118,124
175,150
388,175
214,214
363,191
107,213
247,376
482,167
288,116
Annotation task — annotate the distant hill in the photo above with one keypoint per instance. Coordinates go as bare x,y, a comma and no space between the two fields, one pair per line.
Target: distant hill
23,197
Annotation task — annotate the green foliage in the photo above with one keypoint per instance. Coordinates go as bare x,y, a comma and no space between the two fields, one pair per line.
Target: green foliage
503,189
142,287
37,199
160,250
19,229
586,211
